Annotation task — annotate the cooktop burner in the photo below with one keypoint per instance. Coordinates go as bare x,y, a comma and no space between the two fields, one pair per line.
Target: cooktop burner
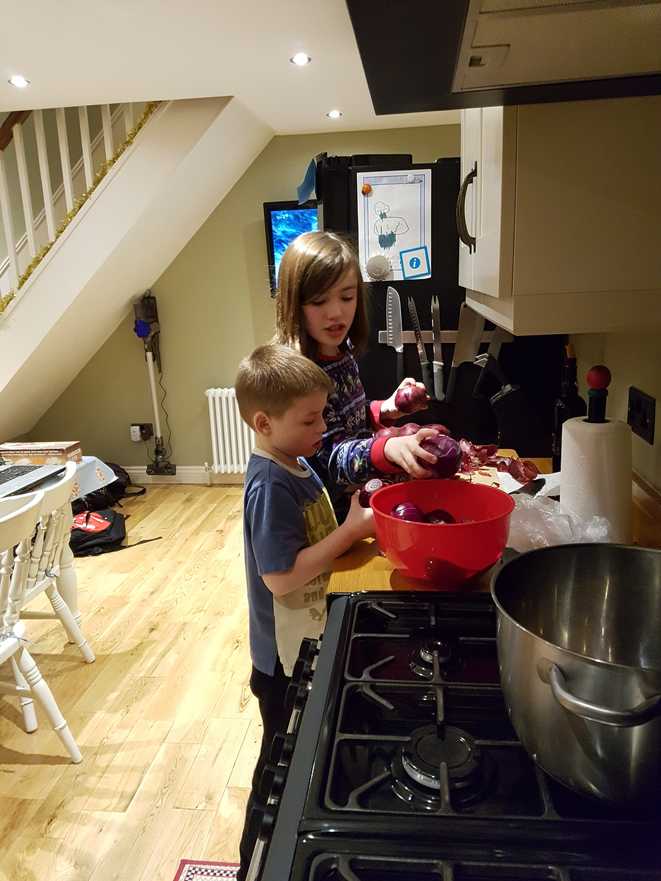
430,651
438,764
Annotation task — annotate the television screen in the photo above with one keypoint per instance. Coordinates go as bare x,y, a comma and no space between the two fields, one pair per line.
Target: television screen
285,221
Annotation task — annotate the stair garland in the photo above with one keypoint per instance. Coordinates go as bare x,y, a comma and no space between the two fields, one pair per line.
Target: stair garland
7,298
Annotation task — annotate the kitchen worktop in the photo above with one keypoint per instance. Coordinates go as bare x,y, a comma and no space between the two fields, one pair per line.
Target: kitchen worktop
364,568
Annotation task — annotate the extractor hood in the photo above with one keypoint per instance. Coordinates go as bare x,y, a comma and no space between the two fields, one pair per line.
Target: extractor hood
423,55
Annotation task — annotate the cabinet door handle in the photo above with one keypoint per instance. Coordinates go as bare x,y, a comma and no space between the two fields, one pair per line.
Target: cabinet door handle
462,228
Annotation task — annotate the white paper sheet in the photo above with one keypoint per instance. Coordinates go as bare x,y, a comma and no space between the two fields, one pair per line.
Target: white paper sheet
394,220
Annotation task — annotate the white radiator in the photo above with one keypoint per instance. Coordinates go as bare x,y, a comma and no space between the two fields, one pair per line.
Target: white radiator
231,439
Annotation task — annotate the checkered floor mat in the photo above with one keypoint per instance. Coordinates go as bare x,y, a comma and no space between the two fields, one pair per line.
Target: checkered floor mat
202,870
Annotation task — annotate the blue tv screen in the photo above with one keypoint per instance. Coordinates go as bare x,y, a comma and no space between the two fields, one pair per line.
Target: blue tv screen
284,222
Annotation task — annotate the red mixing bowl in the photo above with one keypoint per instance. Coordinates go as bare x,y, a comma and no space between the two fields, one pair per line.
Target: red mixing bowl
448,553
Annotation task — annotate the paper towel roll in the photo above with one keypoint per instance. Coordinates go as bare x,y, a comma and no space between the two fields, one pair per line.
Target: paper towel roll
596,473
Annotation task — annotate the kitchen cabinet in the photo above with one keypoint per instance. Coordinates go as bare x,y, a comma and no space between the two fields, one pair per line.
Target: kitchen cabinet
561,219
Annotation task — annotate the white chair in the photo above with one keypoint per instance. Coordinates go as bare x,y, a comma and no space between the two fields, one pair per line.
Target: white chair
19,517
48,547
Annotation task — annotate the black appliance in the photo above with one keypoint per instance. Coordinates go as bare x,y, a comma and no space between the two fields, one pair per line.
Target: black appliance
529,362
401,763
443,54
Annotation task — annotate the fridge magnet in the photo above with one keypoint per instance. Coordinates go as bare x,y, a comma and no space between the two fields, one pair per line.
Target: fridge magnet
414,263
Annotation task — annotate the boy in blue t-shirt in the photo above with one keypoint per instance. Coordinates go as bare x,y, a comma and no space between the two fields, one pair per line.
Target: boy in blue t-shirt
291,536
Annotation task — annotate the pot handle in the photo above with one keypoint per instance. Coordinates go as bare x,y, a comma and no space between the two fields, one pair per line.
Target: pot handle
646,710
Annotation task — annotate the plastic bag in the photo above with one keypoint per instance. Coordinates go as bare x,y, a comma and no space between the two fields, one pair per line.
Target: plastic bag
538,522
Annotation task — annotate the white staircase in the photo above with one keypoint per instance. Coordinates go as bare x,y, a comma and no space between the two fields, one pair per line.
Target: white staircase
155,196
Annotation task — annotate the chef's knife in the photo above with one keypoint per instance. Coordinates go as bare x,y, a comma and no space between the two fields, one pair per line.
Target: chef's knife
469,334
439,394
425,366
394,329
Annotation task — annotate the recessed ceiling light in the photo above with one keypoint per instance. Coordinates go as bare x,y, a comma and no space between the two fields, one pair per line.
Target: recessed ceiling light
300,59
19,81
334,114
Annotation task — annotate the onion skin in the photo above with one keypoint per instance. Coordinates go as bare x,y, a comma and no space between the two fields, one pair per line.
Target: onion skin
408,511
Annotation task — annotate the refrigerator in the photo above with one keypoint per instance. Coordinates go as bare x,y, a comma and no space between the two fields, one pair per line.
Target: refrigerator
530,364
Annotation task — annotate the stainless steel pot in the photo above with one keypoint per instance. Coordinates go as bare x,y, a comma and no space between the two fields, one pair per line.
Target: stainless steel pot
579,648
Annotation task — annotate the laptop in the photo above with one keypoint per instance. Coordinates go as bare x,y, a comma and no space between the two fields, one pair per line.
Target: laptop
22,478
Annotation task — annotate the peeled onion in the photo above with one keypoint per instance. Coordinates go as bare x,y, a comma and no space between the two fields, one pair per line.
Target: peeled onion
439,515
411,398
408,511
447,452
366,491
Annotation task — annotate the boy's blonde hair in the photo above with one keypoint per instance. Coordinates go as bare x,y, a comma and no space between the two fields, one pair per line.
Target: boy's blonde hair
275,376
311,265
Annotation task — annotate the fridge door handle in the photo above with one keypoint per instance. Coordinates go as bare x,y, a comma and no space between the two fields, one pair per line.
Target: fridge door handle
462,228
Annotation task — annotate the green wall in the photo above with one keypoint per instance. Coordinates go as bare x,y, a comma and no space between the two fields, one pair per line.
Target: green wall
214,306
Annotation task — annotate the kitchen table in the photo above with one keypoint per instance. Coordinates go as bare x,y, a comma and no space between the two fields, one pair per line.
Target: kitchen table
364,568
91,474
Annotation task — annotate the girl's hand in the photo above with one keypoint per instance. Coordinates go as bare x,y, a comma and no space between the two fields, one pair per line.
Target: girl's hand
389,411
406,451
359,521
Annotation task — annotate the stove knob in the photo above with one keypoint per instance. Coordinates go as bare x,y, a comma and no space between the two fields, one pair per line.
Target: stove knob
273,781
295,697
302,671
268,822
282,748
309,648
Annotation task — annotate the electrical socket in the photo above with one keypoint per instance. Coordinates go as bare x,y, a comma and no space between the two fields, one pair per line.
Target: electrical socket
642,414
141,431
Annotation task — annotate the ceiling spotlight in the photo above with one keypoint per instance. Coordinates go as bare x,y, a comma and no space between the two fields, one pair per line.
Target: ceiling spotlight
334,114
300,59
19,81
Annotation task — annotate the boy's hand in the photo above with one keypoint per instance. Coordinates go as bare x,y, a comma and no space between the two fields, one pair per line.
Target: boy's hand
406,451
359,521
389,410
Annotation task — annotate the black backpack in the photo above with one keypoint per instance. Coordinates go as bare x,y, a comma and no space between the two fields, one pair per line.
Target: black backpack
110,495
99,532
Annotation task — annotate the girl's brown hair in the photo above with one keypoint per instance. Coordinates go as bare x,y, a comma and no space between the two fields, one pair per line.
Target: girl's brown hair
311,265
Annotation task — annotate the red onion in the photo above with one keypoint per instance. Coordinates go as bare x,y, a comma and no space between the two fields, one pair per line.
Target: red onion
408,511
366,491
441,429
408,429
390,431
438,515
447,452
411,398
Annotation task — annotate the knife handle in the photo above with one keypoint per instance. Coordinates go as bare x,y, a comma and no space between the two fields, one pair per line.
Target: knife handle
400,367
428,377
439,394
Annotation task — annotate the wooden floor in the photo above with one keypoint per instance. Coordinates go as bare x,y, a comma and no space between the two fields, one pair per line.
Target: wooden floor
168,728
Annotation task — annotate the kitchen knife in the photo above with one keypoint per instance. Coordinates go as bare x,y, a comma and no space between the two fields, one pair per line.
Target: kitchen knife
425,366
490,365
469,334
394,329
439,394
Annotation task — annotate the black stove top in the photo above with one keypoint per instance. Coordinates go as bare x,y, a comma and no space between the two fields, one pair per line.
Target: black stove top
370,860
415,751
